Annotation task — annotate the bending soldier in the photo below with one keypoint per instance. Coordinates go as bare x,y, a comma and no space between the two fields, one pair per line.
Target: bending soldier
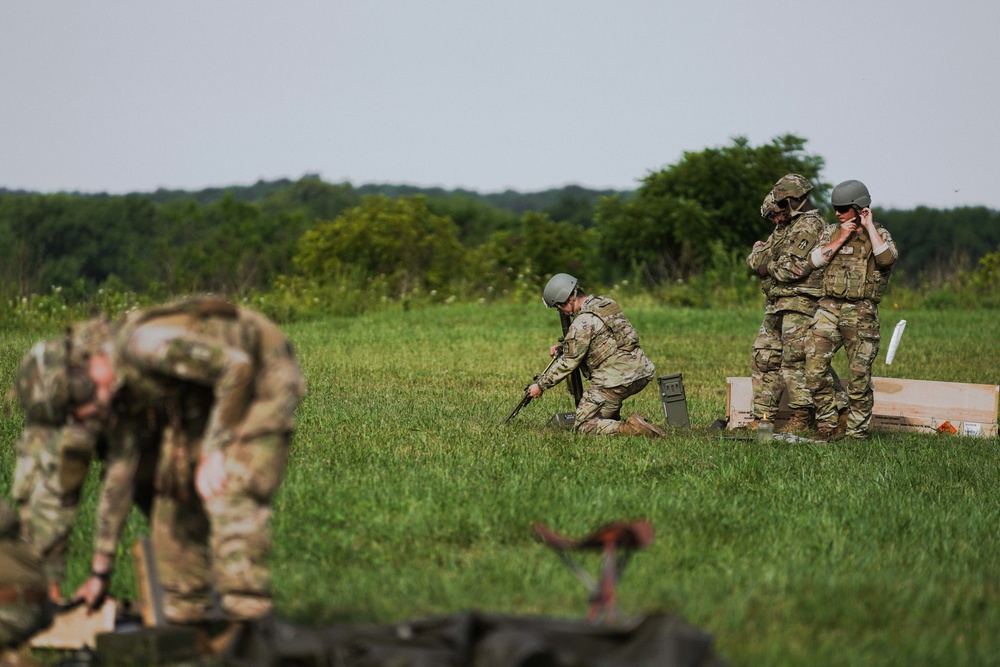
605,346
218,470
55,449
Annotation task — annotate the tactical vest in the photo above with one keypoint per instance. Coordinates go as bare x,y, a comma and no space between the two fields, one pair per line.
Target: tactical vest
853,274
618,332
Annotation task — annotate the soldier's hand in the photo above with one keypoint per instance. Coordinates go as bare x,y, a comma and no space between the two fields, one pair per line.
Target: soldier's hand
555,350
210,477
534,390
92,592
55,594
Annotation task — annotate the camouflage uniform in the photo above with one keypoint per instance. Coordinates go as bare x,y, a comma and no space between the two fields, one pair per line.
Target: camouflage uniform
797,288
53,453
766,377
24,605
853,285
765,363
246,368
605,346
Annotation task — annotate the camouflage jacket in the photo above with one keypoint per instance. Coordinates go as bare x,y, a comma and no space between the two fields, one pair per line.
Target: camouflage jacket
855,272
604,344
797,286
168,357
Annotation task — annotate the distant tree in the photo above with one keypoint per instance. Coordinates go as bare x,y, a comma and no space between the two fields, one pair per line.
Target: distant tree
399,241
540,248
934,244
475,218
709,198
58,240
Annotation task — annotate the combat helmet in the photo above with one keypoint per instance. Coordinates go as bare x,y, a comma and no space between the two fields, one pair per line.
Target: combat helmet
558,290
768,208
851,193
86,338
47,386
791,185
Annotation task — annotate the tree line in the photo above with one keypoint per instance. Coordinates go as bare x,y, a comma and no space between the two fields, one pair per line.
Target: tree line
691,221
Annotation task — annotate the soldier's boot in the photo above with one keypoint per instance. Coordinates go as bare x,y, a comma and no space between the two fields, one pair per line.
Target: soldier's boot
842,420
638,425
799,422
749,426
213,638
828,433
11,658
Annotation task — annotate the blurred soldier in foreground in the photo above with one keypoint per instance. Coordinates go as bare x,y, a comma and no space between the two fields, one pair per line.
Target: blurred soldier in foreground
797,288
218,469
24,605
605,346
858,261
55,449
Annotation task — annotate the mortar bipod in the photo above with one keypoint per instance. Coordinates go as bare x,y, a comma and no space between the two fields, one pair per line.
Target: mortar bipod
617,541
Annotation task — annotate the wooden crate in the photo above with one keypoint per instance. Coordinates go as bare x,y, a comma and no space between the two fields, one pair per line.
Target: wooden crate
910,405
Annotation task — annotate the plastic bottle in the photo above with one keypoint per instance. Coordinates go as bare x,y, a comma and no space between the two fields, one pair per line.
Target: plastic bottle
765,430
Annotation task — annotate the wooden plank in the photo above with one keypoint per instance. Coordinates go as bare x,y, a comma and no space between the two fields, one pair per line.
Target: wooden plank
78,627
900,404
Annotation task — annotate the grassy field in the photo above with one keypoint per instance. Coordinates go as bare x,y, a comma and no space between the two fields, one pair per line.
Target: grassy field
406,497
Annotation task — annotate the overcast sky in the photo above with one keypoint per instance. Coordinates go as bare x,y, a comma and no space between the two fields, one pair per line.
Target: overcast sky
124,96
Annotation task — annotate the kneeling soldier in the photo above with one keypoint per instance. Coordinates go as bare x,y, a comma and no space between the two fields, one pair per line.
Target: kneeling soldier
605,346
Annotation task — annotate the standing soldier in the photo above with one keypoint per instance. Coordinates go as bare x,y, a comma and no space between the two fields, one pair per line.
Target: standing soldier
797,288
765,363
218,470
605,346
858,261
24,605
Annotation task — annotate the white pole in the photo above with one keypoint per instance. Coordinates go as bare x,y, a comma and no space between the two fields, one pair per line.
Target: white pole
894,343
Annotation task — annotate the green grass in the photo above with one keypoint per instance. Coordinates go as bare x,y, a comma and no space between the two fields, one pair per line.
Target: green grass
405,497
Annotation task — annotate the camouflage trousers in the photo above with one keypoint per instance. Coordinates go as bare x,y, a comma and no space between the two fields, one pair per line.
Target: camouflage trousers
225,542
52,464
19,622
765,368
25,607
795,328
766,376
599,412
854,326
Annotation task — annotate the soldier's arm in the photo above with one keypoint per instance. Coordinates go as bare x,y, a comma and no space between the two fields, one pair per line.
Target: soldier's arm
184,355
575,346
822,254
113,505
759,254
793,262
117,487
886,253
